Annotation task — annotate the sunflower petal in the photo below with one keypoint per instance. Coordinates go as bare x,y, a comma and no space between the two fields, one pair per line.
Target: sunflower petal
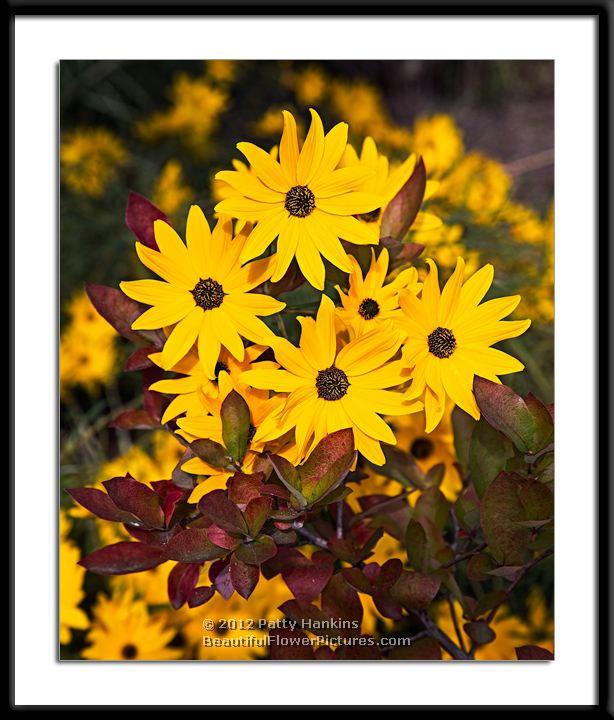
165,314
181,339
268,170
288,148
311,153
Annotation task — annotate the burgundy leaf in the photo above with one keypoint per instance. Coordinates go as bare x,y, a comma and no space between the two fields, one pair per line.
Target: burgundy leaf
200,596
140,218
222,538
307,582
242,488
414,590
169,495
405,205
123,558
341,601
244,577
134,420
533,652
181,583
256,514
193,546
135,497
100,504
258,551
219,574
139,359
224,513
118,310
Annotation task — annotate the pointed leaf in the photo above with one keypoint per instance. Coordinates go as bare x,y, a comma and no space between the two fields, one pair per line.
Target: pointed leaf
328,465
257,551
405,205
211,452
244,577
181,582
137,498
123,558
118,310
200,596
193,546
236,424
140,217
100,504
256,514
220,510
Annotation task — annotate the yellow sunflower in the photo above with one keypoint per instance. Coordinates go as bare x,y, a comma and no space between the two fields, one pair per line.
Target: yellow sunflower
330,389
369,302
192,389
386,182
449,335
305,200
123,630
205,292
264,410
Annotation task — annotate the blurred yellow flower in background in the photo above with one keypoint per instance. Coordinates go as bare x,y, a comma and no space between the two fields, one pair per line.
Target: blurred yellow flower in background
196,106
89,158
122,629
449,335
170,191
369,302
87,346
71,585
224,71
309,85
439,141
304,200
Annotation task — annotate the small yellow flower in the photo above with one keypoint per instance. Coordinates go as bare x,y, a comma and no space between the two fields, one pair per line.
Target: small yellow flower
304,200
205,292
309,86
333,388
449,335
193,390
89,159
122,629
369,302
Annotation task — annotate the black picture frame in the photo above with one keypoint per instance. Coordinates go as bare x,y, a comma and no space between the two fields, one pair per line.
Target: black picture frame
601,11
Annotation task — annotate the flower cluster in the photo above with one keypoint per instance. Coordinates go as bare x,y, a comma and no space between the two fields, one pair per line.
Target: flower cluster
333,439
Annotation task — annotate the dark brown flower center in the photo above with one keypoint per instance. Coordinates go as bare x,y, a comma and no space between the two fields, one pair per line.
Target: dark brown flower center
442,342
129,651
332,383
208,293
368,308
422,448
300,201
370,217
219,366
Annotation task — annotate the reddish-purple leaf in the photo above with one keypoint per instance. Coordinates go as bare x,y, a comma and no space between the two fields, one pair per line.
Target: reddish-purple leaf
200,596
139,359
118,310
341,601
100,504
219,574
169,495
219,509
306,582
415,591
244,577
222,539
257,551
327,466
242,488
137,498
533,652
134,420
193,546
123,558
405,205
181,583
256,514
140,218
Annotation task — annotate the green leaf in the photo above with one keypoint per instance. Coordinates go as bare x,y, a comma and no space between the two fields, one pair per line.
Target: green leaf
432,504
416,544
501,509
462,424
236,423
400,466
488,454
527,424
256,552
537,500
211,452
